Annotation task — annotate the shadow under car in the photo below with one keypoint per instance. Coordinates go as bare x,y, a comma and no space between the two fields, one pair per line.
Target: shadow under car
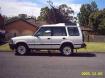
59,54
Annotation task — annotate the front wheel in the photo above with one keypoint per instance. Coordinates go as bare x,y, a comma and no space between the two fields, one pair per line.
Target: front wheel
66,50
21,49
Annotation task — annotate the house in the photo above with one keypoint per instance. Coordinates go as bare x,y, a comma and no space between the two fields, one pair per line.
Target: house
19,27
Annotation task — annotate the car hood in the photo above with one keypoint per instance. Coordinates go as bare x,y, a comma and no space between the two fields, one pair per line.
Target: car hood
23,37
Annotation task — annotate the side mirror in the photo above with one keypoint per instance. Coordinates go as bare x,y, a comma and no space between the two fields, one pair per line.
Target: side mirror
37,34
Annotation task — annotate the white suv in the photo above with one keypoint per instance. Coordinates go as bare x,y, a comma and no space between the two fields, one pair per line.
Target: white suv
61,37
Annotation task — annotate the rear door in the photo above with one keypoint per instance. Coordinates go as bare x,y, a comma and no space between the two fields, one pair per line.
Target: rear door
74,35
58,35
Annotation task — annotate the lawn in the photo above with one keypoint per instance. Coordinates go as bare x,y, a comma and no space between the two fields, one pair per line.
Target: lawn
91,47
5,47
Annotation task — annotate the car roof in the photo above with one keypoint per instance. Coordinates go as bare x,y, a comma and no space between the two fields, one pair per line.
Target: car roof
59,25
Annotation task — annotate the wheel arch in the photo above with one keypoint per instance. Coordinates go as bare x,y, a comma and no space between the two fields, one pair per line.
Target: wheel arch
23,43
67,43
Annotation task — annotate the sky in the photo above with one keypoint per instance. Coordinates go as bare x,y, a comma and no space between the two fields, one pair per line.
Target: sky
32,7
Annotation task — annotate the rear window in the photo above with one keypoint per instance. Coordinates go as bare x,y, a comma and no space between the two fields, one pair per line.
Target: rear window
73,31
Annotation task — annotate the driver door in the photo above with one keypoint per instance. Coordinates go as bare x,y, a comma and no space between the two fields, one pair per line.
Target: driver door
43,38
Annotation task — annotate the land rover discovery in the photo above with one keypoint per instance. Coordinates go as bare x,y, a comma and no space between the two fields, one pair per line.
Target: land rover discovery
61,37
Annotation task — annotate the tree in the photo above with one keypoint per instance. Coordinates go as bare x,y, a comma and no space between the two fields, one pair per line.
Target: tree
101,28
60,14
94,20
94,6
44,13
85,11
65,12
97,21
1,22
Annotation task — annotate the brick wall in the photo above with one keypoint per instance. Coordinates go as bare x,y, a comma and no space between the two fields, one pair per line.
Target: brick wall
19,28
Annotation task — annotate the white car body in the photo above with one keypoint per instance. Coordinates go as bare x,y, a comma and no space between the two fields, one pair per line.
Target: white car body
50,42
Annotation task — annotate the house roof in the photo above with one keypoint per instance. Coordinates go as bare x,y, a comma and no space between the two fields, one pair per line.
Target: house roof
21,20
31,21
40,23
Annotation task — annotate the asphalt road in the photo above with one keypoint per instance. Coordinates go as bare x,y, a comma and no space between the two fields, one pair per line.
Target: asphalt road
43,65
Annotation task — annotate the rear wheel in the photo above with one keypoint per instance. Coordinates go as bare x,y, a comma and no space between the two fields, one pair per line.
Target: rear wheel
66,50
21,49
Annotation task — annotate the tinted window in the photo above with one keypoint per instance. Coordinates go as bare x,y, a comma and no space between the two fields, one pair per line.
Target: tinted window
59,31
44,31
73,31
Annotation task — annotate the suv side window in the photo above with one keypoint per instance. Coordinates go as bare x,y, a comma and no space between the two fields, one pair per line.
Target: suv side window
44,31
73,31
59,31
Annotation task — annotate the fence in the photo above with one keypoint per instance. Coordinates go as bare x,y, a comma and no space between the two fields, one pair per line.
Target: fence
95,38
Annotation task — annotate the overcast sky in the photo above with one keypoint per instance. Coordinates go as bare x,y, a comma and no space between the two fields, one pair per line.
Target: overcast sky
32,7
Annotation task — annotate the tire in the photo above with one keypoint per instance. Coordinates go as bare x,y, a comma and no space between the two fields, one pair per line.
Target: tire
66,50
21,49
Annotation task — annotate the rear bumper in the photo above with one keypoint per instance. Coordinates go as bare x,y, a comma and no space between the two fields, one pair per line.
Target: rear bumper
83,45
77,46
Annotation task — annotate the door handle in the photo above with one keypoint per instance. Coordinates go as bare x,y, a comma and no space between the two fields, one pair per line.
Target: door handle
48,38
63,38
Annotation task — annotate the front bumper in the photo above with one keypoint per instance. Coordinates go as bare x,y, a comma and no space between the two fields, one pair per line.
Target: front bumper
12,46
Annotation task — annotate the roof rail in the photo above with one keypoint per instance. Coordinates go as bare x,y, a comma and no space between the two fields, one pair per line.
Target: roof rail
59,24
62,24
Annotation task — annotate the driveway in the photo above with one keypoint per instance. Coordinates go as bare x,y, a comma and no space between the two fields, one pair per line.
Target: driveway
44,65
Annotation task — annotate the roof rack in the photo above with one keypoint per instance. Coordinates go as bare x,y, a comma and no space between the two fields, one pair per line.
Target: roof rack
59,24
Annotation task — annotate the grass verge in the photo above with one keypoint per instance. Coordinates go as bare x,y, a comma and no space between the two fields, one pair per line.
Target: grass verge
4,48
91,47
